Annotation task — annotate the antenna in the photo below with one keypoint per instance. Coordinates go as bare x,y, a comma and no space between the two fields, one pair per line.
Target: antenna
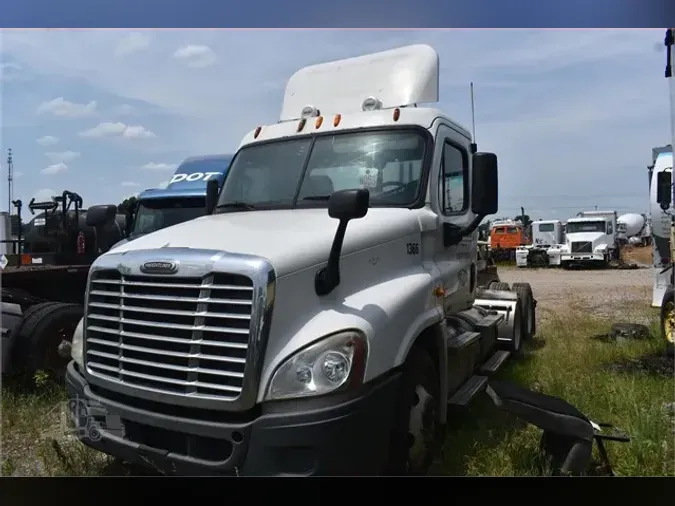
474,146
10,180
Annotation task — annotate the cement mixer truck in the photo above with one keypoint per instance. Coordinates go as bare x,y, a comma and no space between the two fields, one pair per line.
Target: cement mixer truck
663,190
633,229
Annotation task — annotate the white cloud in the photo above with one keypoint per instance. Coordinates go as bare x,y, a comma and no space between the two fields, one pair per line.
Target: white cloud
62,156
47,140
132,43
53,169
65,109
118,129
129,183
158,166
196,56
44,195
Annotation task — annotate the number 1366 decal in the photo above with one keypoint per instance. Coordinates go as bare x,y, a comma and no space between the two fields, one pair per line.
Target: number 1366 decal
413,248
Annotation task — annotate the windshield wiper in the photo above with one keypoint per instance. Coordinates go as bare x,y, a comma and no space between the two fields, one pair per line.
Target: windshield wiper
236,205
317,197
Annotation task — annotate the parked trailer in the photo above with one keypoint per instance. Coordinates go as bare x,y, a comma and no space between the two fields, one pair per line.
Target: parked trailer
43,291
276,343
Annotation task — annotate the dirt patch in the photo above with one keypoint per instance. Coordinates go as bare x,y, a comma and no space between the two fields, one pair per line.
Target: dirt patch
657,365
602,293
641,255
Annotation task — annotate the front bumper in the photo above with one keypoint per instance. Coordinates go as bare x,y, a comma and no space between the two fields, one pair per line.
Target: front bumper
582,257
321,436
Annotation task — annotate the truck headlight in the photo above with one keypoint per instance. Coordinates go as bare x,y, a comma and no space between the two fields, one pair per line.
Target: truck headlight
333,363
76,349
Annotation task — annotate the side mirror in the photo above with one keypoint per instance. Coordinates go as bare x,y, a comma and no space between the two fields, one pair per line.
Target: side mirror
348,204
100,215
484,184
211,195
664,189
343,205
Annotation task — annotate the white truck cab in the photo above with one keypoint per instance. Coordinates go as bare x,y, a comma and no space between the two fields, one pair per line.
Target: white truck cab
590,239
546,247
325,317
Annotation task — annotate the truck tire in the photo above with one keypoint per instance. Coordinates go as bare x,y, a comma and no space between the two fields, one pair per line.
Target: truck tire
416,435
500,286
515,346
524,291
42,332
667,319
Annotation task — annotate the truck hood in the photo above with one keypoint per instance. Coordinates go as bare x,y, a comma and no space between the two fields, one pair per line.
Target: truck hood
290,239
595,238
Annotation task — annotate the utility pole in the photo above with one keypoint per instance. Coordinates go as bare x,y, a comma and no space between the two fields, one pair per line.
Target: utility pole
10,180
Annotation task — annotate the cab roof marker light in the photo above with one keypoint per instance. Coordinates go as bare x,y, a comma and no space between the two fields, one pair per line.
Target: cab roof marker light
301,125
336,119
397,114
257,132
310,111
319,122
371,104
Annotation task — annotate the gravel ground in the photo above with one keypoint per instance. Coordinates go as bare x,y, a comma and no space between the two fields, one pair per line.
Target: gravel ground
606,293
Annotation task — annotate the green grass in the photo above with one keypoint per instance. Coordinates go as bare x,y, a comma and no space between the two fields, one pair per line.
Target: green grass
562,361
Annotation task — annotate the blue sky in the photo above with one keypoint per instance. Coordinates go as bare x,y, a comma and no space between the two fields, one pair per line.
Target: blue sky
572,114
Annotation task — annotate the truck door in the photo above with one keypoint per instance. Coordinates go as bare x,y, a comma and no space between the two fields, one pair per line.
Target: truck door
449,187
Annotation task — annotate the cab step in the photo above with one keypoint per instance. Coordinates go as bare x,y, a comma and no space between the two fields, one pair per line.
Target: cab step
473,386
495,362
463,340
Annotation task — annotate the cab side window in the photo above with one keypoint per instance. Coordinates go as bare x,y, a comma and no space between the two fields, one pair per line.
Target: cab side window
610,229
454,175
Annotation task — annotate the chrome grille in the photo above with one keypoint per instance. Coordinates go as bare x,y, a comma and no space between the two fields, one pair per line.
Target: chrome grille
582,247
172,334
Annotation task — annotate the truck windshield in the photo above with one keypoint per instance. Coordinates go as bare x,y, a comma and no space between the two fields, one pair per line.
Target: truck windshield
585,226
305,171
155,214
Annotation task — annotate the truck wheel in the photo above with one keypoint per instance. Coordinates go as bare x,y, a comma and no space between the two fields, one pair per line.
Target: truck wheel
515,346
42,334
416,434
524,291
668,319
500,286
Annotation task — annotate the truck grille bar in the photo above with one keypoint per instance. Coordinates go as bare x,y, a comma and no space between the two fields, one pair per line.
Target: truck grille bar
174,335
582,247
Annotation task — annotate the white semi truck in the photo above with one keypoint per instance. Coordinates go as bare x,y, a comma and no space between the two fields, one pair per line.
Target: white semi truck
546,247
325,319
590,239
663,217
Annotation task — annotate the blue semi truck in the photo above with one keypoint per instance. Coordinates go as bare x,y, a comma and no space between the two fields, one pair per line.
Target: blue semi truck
183,199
